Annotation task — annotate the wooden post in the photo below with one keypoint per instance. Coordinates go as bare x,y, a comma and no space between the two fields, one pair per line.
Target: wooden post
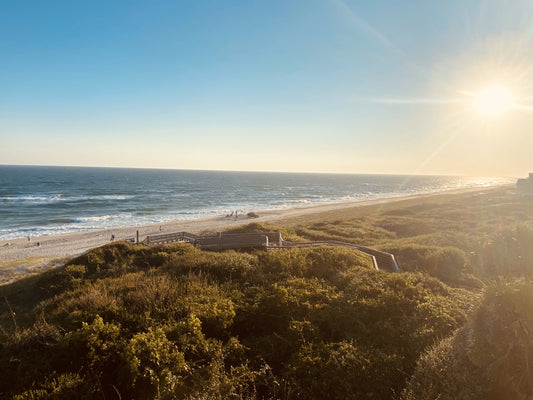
137,237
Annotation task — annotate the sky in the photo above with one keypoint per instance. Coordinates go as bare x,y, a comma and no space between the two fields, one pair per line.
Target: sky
346,86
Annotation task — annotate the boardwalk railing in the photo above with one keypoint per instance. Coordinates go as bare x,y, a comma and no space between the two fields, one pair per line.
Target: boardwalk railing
171,238
232,241
380,259
220,240
269,240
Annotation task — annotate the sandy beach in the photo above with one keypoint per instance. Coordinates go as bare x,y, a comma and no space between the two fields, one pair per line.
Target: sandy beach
20,257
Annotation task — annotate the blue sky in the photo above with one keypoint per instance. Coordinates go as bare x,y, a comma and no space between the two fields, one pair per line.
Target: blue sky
316,85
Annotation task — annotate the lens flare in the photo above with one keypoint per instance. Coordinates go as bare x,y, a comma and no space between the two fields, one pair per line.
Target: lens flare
493,101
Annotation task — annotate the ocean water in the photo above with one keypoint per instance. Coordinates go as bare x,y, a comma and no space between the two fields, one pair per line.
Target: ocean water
53,200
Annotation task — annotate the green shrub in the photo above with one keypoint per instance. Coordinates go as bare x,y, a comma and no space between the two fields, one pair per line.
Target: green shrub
224,266
447,263
60,387
328,263
444,372
97,349
490,357
340,371
508,252
155,364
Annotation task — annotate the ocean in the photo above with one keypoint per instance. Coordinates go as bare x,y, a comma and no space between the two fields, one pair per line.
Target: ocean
37,200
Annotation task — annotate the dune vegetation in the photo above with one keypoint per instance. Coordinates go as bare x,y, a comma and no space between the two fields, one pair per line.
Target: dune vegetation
174,322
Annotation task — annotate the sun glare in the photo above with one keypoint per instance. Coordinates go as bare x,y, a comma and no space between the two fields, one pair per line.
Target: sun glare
493,101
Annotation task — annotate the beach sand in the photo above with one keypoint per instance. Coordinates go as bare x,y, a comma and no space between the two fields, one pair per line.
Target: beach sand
20,257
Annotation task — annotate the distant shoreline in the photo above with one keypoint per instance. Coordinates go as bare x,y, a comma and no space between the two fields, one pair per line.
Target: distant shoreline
19,257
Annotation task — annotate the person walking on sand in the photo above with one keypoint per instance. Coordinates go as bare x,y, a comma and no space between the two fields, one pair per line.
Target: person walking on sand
112,237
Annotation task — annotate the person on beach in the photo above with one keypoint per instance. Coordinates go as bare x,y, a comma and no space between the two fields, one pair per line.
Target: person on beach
112,237
29,238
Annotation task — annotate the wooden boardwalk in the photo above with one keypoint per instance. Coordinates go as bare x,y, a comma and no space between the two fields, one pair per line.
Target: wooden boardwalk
269,240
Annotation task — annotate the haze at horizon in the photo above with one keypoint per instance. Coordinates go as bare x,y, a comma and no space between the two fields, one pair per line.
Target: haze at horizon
320,86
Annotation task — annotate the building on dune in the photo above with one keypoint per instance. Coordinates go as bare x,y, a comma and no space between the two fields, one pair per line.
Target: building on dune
525,186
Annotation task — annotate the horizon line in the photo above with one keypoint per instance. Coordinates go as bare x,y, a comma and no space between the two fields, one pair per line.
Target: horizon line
253,171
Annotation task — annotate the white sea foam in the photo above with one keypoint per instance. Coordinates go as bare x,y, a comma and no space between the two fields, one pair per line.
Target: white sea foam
30,198
44,199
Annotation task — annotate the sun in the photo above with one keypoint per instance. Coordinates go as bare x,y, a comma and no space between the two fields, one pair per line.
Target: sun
493,101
